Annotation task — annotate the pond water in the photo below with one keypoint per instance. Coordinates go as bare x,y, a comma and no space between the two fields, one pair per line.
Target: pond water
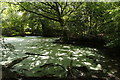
64,55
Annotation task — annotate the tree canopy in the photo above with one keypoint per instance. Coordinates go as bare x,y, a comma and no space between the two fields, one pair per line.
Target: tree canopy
67,19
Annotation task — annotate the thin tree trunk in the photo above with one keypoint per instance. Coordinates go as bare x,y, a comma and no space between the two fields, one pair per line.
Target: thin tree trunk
44,33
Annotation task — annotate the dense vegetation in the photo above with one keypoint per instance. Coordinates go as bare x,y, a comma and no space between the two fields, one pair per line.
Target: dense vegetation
67,19
91,24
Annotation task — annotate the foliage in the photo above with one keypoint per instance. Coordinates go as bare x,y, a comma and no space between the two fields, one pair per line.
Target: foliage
12,23
78,23
67,19
112,29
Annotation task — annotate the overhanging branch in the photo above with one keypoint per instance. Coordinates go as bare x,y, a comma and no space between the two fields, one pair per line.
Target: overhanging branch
37,13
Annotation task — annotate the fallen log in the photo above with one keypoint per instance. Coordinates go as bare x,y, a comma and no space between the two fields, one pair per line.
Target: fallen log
7,74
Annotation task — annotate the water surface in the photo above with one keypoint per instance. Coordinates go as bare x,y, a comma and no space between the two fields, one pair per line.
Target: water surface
53,53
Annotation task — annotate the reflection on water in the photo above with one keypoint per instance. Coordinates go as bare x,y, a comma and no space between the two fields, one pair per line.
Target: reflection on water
53,53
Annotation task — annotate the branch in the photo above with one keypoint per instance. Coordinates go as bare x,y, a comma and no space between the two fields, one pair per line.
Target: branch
47,11
48,4
57,8
38,13
34,54
51,64
14,62
74,9
64,8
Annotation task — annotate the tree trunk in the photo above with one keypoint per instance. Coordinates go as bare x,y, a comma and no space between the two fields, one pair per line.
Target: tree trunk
44,32
65,35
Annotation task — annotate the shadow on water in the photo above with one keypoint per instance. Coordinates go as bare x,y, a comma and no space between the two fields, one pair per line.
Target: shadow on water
48,60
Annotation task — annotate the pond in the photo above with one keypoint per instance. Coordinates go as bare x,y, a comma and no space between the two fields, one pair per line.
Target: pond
57,54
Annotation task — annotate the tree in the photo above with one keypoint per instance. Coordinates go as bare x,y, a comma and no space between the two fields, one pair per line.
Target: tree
56,11
13,23
111,24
